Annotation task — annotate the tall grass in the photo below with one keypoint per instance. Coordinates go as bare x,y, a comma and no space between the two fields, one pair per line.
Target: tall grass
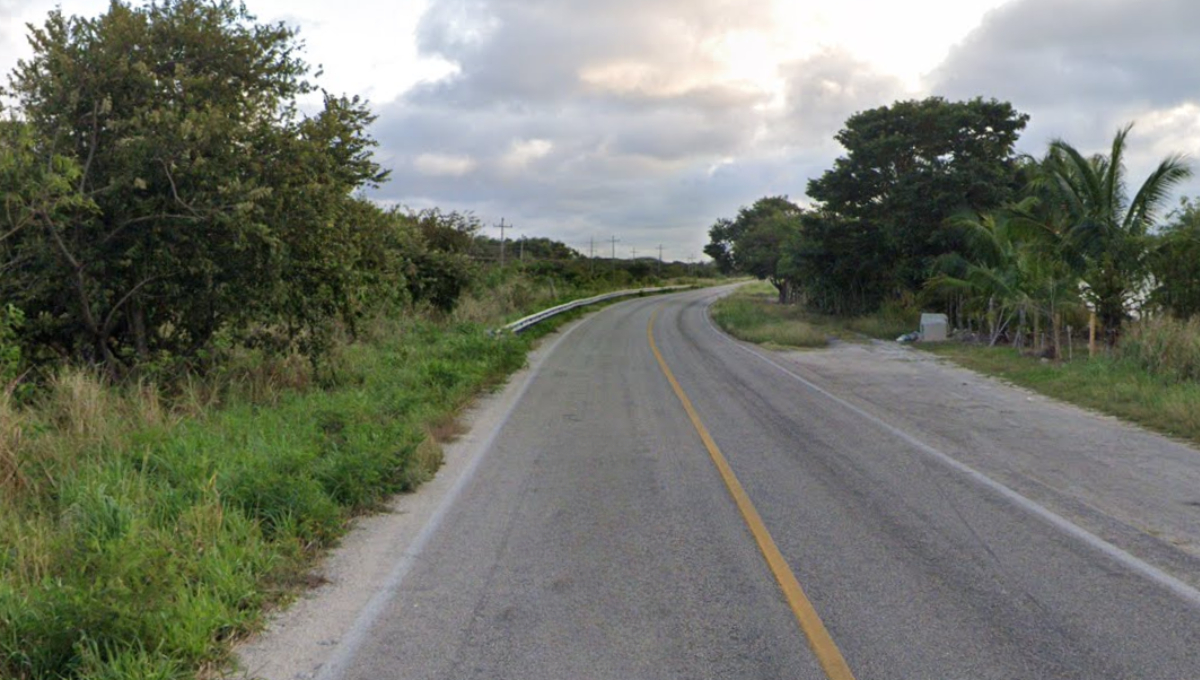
140,534
1164,346
889,323
751,314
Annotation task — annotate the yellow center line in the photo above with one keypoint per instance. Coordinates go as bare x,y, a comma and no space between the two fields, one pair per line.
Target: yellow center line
822,644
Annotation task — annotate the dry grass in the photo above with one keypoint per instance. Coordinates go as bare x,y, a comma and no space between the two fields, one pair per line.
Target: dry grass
428,459
12,430
488,305
1164,346
753,315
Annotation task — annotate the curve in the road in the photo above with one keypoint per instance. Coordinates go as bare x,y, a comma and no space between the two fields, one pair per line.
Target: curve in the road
826,650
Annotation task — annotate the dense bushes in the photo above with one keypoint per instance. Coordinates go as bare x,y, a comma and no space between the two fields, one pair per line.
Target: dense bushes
164,199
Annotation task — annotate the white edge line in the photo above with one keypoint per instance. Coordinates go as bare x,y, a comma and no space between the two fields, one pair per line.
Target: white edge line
347,648
1176,586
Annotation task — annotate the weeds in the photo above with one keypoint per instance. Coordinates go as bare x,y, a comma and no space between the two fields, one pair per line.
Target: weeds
1164,346
751,314
143,530
140,535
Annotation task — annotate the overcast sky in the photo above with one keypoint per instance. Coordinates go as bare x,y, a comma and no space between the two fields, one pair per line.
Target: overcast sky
649,119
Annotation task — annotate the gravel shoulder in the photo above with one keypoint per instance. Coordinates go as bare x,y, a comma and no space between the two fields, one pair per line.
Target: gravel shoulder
1134,488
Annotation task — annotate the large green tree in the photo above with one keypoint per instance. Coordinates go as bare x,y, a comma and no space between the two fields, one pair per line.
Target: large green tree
908,168
201,199
753,242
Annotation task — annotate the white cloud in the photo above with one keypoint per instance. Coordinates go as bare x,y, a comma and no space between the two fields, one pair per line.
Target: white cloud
578,117
525,151
442,165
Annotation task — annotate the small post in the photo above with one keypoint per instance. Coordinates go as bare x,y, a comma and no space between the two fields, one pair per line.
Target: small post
1092,335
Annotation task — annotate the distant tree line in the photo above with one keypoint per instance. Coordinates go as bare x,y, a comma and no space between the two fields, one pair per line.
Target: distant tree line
932,206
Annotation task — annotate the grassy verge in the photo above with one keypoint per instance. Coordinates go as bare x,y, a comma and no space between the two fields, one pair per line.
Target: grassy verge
753,314
138,538
142,533
1117,386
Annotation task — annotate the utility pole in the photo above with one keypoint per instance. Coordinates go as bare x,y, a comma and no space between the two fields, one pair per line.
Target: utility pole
660,249
614,257
592,256
502,227
522,247
634,253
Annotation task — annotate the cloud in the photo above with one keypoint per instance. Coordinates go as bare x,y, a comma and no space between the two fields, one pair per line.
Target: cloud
1084,68
827,88
644,118
440,165
1041,52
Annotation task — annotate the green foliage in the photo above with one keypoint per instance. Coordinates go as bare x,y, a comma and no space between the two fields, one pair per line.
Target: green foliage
754,317
836,265
908,168
11,320
164,195
1105,227
1175,262
752,243
141,547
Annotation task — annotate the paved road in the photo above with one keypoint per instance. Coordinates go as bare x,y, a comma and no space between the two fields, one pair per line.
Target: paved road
597,539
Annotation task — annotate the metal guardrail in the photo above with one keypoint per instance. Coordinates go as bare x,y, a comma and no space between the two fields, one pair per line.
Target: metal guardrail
533,319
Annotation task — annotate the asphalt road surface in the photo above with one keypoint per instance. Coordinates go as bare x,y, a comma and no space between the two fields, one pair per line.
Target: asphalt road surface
598,538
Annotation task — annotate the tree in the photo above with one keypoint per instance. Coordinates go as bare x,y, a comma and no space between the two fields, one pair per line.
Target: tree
829,264
753,242
1106,227
1014,273
911,166
202,200
1175,262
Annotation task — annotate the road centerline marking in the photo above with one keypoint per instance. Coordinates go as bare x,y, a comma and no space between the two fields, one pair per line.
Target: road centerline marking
819,640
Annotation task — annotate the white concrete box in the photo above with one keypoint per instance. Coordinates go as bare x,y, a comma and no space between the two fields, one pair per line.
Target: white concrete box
934,328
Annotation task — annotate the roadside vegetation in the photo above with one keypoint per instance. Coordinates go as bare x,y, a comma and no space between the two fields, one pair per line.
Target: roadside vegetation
214,351
753,313
1059,272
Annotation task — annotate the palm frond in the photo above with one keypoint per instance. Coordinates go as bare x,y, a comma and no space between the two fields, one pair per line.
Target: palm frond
1154,192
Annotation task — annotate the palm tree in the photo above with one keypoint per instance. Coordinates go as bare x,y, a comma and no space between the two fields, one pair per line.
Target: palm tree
1105,228
994,272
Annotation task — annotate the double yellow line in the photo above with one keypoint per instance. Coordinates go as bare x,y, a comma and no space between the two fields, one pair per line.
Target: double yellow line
822,644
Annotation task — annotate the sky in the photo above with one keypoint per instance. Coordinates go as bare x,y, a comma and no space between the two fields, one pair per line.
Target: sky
647,120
